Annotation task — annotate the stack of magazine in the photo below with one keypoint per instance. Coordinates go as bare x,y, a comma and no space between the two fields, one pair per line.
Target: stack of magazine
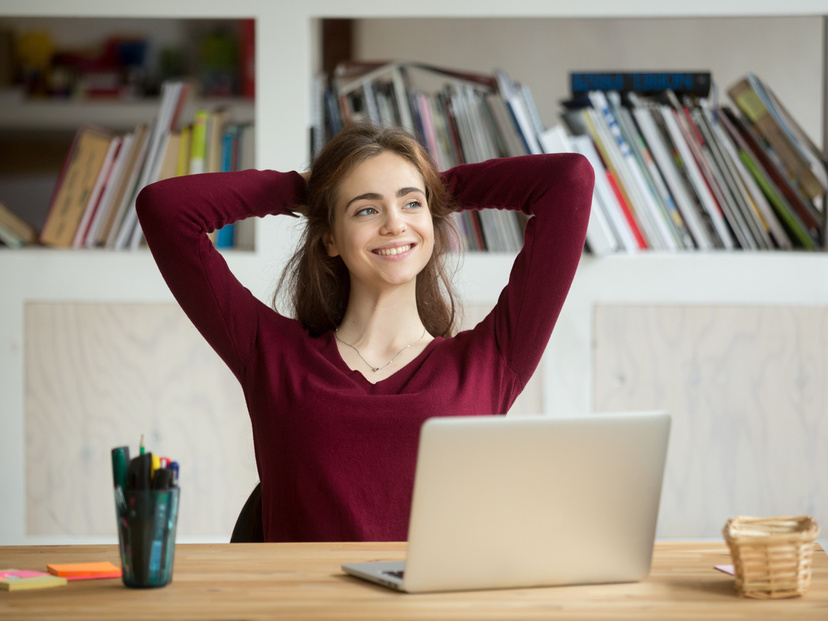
675,172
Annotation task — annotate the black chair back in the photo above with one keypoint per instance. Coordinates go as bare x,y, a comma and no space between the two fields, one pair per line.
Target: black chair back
248,528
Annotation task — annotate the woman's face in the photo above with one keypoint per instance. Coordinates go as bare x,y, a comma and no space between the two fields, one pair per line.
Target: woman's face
382,227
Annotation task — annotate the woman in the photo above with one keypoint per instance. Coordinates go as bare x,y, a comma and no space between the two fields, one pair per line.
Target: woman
337,395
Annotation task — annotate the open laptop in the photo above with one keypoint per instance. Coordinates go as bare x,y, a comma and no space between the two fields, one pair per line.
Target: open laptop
504,502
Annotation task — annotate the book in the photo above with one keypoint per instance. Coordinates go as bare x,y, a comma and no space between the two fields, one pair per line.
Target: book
696,83
23,579
600,236
14,230
109,195
173,97
606,195
127,188
94,202
787,215
647,115
746,223
75,184
629,174
754,197
757,113
678,134
650,174
198,142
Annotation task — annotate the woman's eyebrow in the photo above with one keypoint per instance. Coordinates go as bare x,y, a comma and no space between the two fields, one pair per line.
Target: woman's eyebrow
374,196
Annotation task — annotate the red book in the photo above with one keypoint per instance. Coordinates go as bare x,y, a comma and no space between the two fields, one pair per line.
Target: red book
625,207
247,57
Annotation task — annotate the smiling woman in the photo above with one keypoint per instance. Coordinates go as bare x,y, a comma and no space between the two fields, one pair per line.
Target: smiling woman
337,394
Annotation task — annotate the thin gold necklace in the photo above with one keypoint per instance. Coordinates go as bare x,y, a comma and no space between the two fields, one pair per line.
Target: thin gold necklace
373,368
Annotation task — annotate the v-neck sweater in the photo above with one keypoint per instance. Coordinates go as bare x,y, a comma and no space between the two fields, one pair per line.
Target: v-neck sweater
336,453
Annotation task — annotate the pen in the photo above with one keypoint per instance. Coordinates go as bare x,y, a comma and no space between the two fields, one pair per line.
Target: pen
141,448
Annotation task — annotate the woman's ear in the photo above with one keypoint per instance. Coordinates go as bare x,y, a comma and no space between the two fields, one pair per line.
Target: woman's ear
330,244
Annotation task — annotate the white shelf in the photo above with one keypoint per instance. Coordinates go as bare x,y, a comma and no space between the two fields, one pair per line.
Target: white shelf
68,115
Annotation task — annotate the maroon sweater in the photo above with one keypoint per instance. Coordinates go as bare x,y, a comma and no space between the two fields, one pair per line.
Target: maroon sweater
335,453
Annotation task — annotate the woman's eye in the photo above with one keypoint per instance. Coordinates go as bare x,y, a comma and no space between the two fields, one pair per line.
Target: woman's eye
413,205
366,211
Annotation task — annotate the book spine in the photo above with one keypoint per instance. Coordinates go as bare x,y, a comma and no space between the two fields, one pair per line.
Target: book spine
682,82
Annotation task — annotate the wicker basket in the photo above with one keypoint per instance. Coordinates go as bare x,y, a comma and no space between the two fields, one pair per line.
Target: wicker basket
771,556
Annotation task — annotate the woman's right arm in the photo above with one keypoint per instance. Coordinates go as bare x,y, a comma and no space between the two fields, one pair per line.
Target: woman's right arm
177,215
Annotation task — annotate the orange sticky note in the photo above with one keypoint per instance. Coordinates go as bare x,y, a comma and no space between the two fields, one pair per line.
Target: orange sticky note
85,571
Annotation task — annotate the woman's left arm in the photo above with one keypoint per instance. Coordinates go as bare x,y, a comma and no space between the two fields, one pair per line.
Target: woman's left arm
556,192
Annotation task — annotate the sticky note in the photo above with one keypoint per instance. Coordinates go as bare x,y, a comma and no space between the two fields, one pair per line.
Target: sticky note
22,579
85,571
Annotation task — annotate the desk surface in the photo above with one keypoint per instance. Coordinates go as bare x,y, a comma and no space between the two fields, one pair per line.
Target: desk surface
304,581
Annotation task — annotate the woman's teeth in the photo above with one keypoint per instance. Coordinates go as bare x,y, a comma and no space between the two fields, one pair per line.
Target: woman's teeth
386,252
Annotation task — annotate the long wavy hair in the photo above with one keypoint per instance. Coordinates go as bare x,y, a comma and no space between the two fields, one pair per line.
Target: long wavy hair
316,286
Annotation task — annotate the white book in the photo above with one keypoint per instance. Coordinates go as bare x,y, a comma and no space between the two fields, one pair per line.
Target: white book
131,187
626,167
107,204
651,173
171,92
600,235
699,185
671,176
516,106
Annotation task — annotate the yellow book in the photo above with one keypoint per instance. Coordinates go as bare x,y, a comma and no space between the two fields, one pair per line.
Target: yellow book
184,151
198,143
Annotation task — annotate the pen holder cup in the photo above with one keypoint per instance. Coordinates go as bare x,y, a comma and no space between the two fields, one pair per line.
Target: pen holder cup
146,535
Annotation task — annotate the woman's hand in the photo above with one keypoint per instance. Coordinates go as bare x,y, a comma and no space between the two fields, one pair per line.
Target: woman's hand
301,210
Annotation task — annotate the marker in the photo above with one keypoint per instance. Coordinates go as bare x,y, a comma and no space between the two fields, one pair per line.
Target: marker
141,448
174,467
120,463
156,463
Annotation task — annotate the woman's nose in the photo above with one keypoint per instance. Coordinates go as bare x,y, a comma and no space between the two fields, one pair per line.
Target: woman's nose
394,223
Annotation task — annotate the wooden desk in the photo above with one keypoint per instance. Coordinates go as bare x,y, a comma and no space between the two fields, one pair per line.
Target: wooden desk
304,581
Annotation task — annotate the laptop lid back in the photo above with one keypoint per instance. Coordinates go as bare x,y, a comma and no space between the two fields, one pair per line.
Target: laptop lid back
529,501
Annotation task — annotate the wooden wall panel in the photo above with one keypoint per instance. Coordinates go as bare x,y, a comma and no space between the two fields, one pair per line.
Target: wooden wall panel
99,376
748,393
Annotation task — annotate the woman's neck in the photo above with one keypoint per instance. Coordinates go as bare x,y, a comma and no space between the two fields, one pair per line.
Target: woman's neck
377,330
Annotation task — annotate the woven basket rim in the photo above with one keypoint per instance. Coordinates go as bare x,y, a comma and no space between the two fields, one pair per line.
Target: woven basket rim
802,528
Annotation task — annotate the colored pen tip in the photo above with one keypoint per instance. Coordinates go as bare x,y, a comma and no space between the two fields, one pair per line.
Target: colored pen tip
141,446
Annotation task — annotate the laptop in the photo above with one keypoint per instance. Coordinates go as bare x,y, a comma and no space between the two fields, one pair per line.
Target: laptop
507,502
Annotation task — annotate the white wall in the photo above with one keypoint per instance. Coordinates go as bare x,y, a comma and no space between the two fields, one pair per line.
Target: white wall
541,52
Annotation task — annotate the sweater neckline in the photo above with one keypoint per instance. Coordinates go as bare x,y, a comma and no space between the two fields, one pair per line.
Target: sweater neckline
390,383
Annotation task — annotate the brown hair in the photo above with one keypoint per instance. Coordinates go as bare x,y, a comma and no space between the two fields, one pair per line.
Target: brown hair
316,285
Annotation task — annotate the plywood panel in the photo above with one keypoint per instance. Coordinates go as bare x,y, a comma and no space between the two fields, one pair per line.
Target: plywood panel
747,390
99,376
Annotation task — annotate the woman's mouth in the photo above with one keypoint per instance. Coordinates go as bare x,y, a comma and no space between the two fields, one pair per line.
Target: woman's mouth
390,252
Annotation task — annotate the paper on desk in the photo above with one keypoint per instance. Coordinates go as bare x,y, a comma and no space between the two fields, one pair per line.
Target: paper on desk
728,569
85,571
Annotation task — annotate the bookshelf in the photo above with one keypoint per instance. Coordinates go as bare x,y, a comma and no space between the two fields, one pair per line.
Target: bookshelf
290,47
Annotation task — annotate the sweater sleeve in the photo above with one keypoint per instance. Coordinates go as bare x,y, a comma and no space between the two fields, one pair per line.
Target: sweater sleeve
176,216
556,191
